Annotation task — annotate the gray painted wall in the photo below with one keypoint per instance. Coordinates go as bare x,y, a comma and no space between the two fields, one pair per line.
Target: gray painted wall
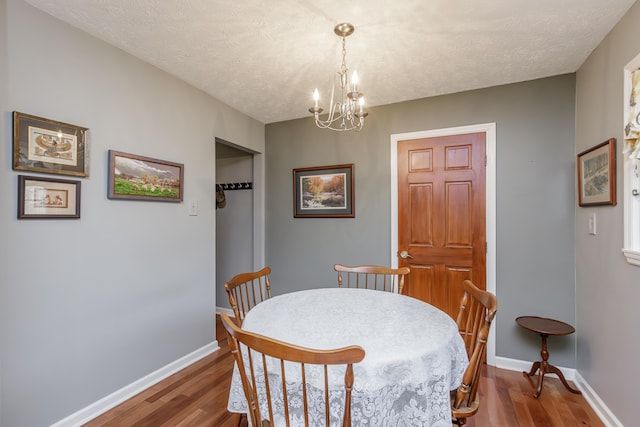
607,288
535,199
91,305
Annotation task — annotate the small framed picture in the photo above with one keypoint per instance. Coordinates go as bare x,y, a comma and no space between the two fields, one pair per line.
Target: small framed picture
44,145
597,175
323,192
134,177
48,198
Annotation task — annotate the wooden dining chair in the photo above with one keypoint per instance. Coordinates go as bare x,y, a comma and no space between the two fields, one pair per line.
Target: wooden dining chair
245,290
252,352
477,310
372,277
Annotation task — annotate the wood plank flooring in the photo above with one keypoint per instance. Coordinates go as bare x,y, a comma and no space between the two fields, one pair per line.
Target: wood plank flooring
197,397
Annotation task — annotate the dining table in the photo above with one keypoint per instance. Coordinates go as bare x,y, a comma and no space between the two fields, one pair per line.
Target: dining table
414,354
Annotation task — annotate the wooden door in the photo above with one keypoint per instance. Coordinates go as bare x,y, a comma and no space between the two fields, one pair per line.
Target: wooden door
441,216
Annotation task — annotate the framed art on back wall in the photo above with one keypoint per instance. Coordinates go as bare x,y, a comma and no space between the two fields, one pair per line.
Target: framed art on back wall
323,192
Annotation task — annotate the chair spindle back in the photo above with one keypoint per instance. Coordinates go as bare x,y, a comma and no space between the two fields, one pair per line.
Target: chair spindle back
476,312
245,290
372,277
256,354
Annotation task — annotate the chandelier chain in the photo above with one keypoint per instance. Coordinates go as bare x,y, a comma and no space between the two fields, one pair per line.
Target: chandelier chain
344,55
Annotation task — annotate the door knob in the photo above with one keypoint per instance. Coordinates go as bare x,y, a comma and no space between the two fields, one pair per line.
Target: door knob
405,255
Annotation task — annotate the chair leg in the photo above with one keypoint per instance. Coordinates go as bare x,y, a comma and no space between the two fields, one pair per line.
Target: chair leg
460,421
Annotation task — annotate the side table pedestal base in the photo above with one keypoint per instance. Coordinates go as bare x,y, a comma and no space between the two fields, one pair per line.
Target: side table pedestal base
543,368
545,327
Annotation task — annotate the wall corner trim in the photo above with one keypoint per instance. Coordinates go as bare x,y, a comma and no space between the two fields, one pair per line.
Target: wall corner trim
99,407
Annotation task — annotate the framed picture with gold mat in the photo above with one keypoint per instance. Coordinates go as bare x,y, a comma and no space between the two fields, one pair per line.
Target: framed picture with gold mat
49,146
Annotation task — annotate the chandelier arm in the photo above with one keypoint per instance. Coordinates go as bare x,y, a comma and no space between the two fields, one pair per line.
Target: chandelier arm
333,116
322,126
352,124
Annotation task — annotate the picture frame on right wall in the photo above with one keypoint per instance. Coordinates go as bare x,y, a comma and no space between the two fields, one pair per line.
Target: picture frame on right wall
597,175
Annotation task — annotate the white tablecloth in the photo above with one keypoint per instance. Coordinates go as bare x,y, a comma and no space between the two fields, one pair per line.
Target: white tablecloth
414,353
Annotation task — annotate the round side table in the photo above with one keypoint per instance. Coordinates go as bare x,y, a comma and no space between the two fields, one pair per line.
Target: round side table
545,327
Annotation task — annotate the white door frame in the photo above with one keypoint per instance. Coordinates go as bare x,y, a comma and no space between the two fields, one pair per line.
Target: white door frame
490,146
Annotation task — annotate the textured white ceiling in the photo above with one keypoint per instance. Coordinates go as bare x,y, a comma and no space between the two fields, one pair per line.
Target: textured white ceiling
264,58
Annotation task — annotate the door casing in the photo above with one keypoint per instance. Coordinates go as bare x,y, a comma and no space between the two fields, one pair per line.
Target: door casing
490,198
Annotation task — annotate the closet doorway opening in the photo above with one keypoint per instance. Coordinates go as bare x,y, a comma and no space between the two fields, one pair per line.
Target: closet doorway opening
235,216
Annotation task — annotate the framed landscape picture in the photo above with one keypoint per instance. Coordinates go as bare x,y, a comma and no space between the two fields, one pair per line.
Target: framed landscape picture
597,175
48,198
324,191
136,177
50,146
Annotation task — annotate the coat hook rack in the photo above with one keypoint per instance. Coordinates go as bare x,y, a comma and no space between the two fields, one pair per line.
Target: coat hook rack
236,186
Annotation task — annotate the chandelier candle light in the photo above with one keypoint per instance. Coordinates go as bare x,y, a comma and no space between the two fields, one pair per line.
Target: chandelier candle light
347,112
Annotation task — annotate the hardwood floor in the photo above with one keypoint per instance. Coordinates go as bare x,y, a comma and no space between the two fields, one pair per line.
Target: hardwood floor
197,397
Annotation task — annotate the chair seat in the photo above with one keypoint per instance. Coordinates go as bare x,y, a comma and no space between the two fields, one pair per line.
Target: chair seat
464,412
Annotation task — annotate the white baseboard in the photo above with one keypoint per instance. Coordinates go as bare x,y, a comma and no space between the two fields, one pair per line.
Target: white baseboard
521,365
101,406
224,310
598,406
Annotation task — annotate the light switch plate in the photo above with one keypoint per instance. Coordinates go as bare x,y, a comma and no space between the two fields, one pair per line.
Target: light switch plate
193,207
592,223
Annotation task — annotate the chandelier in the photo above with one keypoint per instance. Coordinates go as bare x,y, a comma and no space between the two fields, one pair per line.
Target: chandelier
347,111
